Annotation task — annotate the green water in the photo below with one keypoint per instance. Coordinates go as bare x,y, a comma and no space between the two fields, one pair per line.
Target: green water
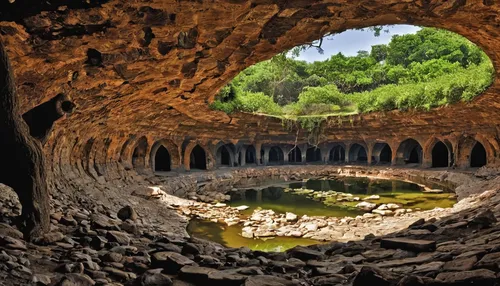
315,198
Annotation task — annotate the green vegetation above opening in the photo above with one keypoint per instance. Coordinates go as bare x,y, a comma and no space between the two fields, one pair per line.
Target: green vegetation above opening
415,71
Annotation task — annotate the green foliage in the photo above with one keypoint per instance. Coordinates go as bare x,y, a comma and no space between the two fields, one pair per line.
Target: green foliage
428,69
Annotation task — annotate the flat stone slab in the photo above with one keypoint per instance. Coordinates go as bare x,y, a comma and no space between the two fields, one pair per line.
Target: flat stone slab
408,244
481,277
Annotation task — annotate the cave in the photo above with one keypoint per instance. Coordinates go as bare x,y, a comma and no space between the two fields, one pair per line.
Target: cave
162,159
198,158
88,87
250,155
382,153
275,155
357,154
478,156
337,154
295,155
313,154
409,152
440,156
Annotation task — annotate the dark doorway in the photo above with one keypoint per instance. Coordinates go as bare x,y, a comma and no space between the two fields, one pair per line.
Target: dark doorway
386,154
440,155
162,159
250,155
478,155
198,158
295,155
313,154
275,155
357,153
409,152
225,158
337,154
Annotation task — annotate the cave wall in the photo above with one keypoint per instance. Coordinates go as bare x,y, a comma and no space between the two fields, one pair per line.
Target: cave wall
145,71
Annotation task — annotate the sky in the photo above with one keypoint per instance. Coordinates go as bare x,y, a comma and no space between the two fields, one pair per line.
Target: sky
351,41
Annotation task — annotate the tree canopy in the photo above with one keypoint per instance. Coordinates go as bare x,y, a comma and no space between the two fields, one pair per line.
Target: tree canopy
430,68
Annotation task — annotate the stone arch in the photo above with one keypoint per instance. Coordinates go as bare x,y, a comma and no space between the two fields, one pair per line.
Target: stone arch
337,154
225,154
440,155
172,151
313,154
478,156
295,155
139,153
382,153
250,155
276,155
409,152
358,153
198,158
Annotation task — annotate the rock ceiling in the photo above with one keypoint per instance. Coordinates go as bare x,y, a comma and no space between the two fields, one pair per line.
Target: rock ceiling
152,67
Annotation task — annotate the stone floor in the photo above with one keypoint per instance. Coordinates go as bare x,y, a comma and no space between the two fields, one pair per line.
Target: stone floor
92,244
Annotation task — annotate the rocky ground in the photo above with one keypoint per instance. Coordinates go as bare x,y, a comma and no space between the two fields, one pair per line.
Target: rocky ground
93,244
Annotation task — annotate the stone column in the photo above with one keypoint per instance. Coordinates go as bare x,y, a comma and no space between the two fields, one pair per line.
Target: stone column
243,157
258,147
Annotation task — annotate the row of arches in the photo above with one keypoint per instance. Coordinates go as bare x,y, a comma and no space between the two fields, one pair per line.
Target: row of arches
409,152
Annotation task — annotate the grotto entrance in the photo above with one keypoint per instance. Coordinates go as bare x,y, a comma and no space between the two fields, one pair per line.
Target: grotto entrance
223,156
250,155
357,153
198,158
276,155
409,152
478,155
139,155
382,153
162,159
313,154
440,156
295,155
337,154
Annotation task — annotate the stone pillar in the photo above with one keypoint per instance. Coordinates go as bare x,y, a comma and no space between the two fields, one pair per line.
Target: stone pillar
265,159
258,147
325,154
303,153
243,157
369,153
347,149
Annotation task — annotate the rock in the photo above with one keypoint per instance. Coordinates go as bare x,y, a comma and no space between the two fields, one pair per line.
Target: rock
372,197
490,261
383,212
225,278
51,237
481,277
170,261
242,208
247,232
483,219
7,230
366,206
220,205
151,278
304,253
74,279
408,244
372,276
12,243
112,257
126,213
460,264
190,248
195,274
268,280
119,274
119,237
290,216
40,279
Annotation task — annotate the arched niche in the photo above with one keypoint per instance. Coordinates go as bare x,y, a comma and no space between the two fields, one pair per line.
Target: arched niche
198,158
225,155
276,156
409,152
357,154
382,153
313,154
162,160
440,155
250,155
478,156
139,153
337,154
295,155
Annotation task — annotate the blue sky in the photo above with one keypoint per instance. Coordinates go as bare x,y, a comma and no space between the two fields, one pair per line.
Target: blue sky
350,42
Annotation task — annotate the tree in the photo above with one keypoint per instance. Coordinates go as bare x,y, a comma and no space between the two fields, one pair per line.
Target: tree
379,52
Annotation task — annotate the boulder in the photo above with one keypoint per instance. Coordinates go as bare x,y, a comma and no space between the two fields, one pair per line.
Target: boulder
481,277
366,206
126,213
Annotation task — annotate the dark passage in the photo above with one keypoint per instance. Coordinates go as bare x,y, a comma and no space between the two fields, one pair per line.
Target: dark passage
162,159
439,155
414,155
386,154
138,157
275,155
337,154
250,155
295,156
478,156
313,154
225,157
198,158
